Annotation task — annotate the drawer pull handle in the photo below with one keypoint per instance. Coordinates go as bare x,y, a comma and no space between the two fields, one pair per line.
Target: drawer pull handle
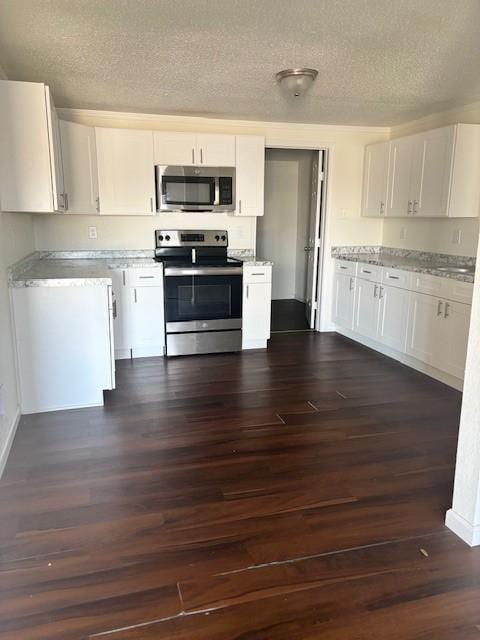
375,289
342,267
258,274
394,277
146,277
447,307
439,308
365,271
350,288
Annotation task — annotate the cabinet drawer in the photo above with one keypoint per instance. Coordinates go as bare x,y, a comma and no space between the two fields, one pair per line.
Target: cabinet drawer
396,278
369,272
144,277
257,274
461,291
346,268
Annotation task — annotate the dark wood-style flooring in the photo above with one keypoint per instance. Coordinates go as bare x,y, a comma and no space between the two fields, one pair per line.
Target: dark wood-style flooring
289,315
295,493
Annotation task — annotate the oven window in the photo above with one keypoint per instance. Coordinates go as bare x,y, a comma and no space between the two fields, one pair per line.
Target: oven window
188,190
205,301
203,298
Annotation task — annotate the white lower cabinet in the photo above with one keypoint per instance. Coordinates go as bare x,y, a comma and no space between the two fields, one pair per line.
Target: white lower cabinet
429,328
139,328
366,308
438,333
257,302
393,316
343,300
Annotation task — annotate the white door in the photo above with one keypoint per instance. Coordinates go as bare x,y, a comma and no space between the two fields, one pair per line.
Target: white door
256,311
215,150
126,177
343,300
366,308
146,321
431,169
425,333
313,241
375,179
121,323
456,323
55,154
79,155
250,172
393,317
176,149
400,176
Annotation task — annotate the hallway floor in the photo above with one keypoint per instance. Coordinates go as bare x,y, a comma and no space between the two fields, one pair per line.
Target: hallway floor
289,494
288,315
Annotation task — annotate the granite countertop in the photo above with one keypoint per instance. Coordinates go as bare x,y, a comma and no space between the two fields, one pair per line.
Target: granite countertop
89,268
76,268
409,260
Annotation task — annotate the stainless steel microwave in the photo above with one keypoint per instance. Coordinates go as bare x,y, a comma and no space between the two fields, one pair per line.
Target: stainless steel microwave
195,188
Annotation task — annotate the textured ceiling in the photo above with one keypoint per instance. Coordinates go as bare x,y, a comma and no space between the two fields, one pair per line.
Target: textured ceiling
380,62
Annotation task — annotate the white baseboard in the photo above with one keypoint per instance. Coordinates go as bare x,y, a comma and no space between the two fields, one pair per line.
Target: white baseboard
463,529
71,407
441,376
11,431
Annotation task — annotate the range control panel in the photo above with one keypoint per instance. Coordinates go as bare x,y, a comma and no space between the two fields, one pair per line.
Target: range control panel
190,238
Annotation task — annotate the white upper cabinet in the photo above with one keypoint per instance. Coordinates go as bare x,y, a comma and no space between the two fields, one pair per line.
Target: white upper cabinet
126,177
79,155
215,150
191,149
375,179
31,174
176,149
431,166
434,174
250,175
401,154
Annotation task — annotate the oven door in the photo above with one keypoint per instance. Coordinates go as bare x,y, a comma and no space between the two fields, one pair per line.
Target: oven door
203,302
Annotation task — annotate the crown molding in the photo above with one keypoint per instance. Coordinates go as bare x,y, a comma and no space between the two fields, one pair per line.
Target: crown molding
190,123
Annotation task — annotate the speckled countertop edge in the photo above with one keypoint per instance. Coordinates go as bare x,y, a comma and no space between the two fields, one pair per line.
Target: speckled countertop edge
407,260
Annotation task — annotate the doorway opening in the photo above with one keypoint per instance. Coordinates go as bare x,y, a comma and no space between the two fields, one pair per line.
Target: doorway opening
289,233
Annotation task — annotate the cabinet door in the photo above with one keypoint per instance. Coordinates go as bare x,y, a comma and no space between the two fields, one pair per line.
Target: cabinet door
366,308
121,323
456,326
146,321
425,333
215,150
393,317
26,149
400,175
250,170
176,149
432,154
375,179
343,300
79,155
257,301
126,177
58,182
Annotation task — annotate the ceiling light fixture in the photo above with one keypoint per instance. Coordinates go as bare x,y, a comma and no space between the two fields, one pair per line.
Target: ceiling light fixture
296,81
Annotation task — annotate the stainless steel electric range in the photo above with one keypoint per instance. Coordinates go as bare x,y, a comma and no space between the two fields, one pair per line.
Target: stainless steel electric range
202,292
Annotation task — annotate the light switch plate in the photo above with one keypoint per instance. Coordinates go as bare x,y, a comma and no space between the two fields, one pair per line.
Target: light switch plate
92,233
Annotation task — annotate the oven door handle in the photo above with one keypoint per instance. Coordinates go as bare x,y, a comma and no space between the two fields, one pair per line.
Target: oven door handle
205,271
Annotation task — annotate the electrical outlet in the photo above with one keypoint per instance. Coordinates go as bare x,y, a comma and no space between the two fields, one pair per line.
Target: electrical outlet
403,233
92,233
456,236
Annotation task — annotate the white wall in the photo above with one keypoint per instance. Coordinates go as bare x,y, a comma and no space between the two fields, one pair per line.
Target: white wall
16,241
435,235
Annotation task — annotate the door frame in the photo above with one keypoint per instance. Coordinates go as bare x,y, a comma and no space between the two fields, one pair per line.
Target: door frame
323,212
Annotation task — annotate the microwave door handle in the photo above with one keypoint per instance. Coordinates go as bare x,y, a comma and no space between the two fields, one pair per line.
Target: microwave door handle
217,192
